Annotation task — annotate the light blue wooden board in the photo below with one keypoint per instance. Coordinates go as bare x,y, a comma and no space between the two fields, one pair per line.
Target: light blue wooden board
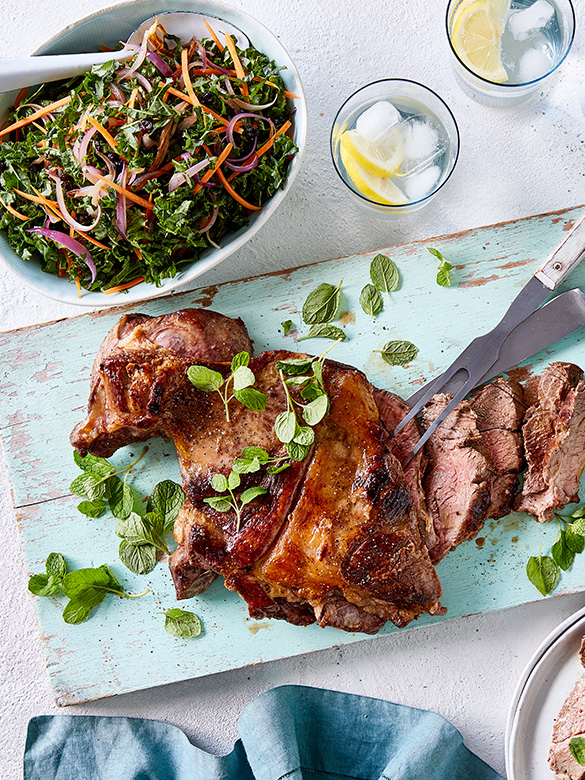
44,387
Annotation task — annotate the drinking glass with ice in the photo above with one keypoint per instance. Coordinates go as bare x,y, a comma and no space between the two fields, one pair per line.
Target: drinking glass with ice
394,143
502,50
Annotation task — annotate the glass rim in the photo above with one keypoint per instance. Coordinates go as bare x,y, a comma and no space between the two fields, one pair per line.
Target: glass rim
505,85
386,206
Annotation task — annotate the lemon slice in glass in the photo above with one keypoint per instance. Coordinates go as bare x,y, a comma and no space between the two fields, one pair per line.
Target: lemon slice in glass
476,36
377,188
380,159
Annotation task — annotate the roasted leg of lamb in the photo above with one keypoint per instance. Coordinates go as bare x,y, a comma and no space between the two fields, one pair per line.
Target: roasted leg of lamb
336,536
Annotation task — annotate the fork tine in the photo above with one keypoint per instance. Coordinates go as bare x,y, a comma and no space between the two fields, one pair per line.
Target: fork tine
457,398
432,389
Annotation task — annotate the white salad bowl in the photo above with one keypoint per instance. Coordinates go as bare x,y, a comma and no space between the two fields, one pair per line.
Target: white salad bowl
107,28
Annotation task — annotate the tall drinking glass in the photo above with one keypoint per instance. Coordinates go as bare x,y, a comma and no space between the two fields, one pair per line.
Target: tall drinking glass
503,51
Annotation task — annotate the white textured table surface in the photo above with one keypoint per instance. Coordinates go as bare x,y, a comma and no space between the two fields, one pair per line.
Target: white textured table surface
513,163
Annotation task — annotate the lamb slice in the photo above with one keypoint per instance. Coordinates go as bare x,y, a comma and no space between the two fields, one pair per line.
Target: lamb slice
554,442
458,480
392,410
198,334
569,723
499,410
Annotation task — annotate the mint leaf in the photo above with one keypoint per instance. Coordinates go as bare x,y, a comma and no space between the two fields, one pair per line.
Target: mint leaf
56,566
384,274
181,623
252,399
166,499
322,304
577,748
219,503
324,331
204,378
121,500
286,326
92,509
314,411
241,359
543,573
139,558
243,377
371,301
251,493
285,426
398,353
43,585
219,483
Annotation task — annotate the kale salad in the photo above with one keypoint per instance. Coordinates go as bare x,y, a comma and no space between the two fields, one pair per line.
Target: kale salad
128,173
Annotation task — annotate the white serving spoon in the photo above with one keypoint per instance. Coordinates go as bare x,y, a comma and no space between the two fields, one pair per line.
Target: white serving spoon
22,72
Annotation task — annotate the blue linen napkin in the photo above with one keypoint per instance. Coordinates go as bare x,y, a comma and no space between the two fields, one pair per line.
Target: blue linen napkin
291,732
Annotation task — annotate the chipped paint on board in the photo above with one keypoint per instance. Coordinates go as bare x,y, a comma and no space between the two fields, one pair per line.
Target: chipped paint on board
101,658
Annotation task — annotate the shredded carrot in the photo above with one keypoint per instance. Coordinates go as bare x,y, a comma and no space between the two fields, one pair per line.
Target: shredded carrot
124,286
272,84
218,163
229,42
147,204
19,97
78,285
37,115
137,252
132,99
187,77
102,131
95,242
14,212
214,36
38,198
266,146
234,194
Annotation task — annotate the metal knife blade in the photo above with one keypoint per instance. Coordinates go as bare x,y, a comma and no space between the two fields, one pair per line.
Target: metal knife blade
562,316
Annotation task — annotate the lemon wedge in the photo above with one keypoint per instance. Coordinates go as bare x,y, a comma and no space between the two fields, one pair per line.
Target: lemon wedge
377,188
476,36
380,159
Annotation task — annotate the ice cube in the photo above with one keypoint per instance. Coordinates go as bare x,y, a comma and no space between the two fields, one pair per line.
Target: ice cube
420,184
524,24
376,120
534,64
421,140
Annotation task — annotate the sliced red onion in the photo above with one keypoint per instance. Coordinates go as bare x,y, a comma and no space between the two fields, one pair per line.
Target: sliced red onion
156,60
250,106
202,53
66,215
229,87
180,177
211,64
118,93
242,160
141,180
143,48
210,222
121,206
127,73
109,164
71,244
148,141
186,123
80,148
229,131
245,167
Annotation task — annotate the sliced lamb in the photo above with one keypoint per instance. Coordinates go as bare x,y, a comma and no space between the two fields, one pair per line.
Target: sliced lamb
499,410
570,723
392,410
554,442
458,481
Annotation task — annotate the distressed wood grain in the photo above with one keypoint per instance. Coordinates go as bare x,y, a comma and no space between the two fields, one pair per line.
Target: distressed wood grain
44,386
